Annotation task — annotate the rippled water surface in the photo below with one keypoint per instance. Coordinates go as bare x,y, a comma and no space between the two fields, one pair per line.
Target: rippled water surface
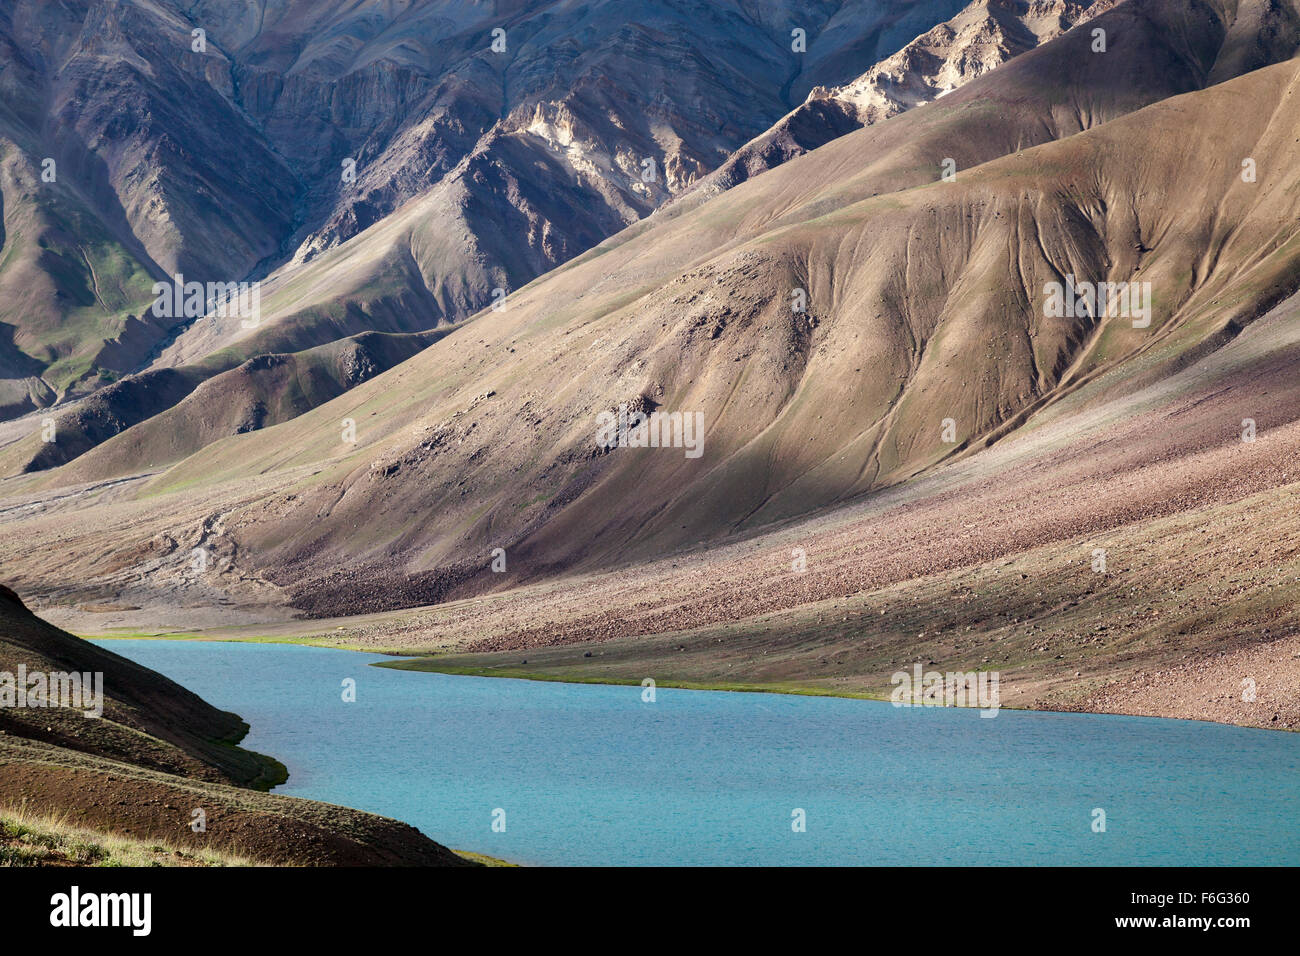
590,774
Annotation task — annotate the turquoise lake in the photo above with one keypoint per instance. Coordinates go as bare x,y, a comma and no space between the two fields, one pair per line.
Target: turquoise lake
590,774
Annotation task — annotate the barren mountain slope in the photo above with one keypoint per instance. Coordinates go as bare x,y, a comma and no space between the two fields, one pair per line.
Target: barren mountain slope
1130,555
923,305
980,38
125,800
188,407
1157,49
1133,555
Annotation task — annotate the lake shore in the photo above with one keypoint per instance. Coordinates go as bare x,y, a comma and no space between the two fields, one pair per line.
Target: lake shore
1212,687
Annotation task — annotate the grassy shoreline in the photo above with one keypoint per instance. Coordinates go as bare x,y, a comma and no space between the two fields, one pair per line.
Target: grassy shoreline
434,663
428,663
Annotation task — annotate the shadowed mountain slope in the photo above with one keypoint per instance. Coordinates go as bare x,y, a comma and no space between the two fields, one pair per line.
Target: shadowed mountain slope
148,720
179,411
218,141
157,752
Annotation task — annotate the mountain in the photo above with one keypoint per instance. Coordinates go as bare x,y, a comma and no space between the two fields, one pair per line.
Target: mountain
927,336
380,283
980,38
220,141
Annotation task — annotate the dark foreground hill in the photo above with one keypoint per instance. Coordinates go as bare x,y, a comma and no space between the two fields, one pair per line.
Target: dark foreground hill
157,754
